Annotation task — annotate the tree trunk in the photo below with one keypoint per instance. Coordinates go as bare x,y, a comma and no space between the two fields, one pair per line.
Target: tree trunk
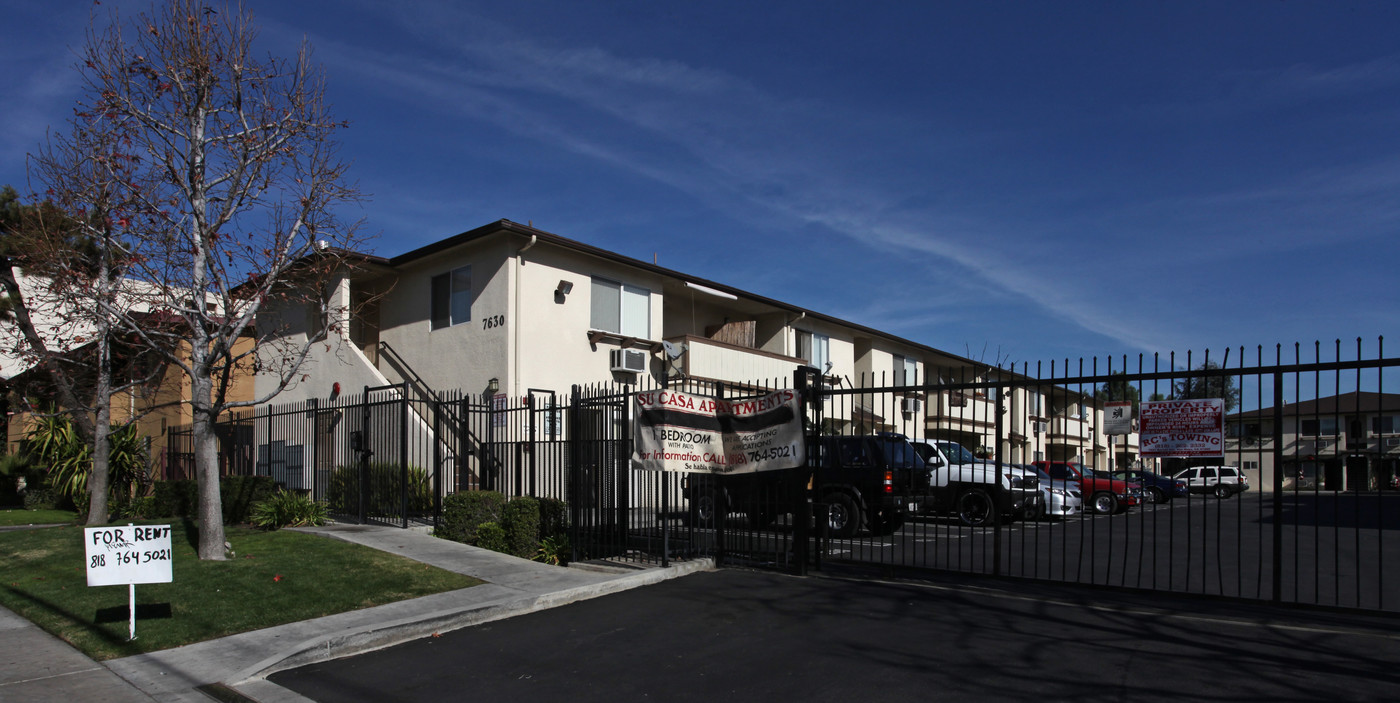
206,466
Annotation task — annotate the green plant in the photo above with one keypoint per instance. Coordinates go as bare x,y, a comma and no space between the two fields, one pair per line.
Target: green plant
288,509
384,494
492,536
464,512
521,520
55,442
553,550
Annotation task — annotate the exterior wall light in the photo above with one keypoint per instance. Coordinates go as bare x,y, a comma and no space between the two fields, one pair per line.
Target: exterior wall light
493,385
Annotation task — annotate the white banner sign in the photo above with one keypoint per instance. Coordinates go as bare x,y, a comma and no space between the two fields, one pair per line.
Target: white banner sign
118,556
1182,428
694,433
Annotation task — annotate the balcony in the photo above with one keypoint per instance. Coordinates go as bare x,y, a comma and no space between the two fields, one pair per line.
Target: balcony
960,411
713,360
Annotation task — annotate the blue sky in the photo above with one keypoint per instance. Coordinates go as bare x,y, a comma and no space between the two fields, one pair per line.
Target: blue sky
1009,181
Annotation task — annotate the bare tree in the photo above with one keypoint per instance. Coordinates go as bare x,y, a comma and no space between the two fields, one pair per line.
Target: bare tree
235,183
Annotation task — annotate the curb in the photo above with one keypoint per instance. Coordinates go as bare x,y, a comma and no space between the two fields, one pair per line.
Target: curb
344,644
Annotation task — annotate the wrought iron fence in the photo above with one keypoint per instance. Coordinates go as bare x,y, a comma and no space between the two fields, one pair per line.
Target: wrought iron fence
1310,515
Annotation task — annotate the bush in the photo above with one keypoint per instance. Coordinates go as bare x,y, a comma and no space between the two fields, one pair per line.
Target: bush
238,495
288,509
465,511
16,470
55,443
492,536
521,522
554,518
385,495
530,528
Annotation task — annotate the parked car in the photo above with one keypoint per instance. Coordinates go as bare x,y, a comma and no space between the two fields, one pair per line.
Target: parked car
867,482
1223,481
1107,495
1156,488
1059,497
972,490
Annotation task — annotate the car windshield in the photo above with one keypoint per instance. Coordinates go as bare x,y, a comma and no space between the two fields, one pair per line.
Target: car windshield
956,453
1088,472
900,454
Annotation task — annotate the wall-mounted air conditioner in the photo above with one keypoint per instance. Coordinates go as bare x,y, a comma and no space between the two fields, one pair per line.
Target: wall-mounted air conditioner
1392,441
910,405
628,360
1040,427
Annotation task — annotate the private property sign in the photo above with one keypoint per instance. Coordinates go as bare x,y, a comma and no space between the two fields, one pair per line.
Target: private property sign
677,431
1182,428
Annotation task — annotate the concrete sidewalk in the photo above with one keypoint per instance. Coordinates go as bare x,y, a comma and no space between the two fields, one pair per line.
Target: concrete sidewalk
35,666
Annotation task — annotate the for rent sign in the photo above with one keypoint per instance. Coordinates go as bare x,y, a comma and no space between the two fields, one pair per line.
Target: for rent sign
1182,428
685,432
128,555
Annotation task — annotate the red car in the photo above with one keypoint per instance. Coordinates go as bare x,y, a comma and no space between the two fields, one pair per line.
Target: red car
1102,494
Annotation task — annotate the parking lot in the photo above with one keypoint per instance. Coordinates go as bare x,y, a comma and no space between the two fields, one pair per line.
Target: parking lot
1332,549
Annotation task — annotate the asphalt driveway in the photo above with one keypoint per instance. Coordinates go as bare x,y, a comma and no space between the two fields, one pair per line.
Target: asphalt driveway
739,635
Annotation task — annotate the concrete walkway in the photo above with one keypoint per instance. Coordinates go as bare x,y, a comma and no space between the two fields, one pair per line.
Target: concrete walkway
35,666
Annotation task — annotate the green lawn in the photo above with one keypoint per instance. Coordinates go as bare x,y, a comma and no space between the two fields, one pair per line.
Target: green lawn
273,578
20,516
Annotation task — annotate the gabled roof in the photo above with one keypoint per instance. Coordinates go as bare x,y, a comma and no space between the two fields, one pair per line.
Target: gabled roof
1356,402
539,235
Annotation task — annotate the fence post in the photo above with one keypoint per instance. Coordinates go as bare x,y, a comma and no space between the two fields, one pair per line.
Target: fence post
403,453
574,492
1278,487
802,507
364,456
1001,475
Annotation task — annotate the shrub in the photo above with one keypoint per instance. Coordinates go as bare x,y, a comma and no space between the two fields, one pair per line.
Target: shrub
465,511
237,495
554,551
55,442
492,536
288,509
385,484
521,522
554,518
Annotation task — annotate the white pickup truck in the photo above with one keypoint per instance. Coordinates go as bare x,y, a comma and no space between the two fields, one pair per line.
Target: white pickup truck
967,487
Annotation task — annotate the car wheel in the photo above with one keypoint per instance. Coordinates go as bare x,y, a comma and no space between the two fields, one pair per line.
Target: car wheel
1156,496
843,515
703,509
1105,503
1222,491
975,508
883,523
760,517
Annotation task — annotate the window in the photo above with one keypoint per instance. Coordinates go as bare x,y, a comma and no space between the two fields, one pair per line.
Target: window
1319,427
906,370
1032,402
620,308
815,348
452,298
1385,424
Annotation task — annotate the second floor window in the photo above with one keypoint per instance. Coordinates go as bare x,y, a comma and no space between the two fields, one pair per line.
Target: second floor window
815,348
452,298
620,308
906,371
1319,427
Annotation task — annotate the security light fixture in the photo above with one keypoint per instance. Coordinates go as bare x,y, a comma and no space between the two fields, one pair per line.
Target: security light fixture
564,287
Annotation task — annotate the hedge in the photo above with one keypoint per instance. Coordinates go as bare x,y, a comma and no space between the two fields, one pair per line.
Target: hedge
517,527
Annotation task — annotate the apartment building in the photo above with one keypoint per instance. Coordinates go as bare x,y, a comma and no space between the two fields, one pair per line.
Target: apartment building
1345,442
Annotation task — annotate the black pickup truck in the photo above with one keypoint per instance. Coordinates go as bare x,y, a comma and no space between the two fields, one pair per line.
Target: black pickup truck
866,482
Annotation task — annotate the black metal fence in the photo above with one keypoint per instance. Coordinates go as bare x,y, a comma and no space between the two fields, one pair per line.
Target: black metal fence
1315,443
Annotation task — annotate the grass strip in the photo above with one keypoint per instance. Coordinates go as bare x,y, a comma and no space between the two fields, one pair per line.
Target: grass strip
273,578
19,516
